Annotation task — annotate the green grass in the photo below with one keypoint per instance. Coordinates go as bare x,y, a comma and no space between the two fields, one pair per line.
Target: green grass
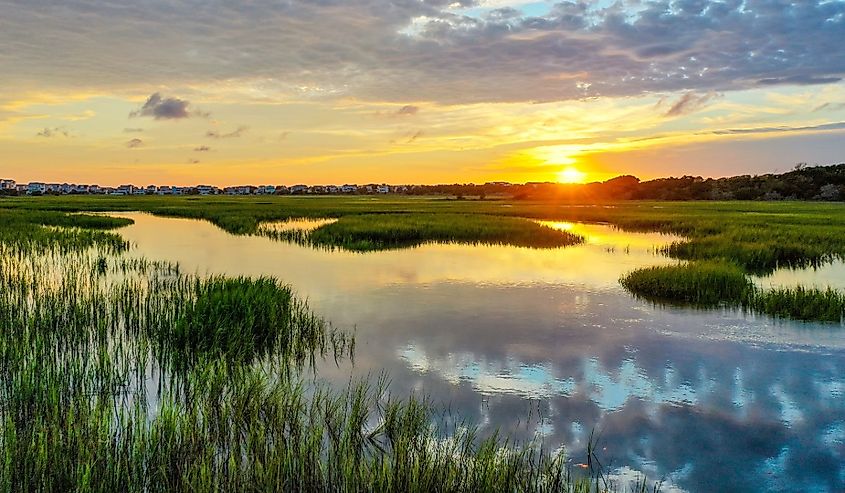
241,318
368,232
800,303
758,236
710,284
122,374
703,284
28,230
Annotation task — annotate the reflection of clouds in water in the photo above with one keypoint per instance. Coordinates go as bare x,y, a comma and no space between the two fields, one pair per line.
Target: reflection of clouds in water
506,377
611,390
498,333
627,478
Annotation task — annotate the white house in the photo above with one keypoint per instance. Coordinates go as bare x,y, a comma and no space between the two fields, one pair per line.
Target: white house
7,184
383,189
349,188
36,187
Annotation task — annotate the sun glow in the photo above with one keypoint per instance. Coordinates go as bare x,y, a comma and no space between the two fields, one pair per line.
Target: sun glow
570,174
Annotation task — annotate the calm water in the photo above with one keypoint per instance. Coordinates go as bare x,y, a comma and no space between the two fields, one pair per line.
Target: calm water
545,344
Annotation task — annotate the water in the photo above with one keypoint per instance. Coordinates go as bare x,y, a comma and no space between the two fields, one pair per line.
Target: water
545,345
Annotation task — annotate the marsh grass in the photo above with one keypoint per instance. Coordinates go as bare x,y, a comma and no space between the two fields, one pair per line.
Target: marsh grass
827,305
34,230
709,284
242,318
704,284
370,232
122,374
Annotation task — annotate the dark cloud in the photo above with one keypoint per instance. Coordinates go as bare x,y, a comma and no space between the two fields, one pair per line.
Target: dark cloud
161,108
428,50
408,110
202,149
53,132
690,102
134,143
133,130
829,107
193,161
216,134
799,80
416,135
779,129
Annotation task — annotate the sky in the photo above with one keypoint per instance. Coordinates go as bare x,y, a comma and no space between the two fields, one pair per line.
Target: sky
220,92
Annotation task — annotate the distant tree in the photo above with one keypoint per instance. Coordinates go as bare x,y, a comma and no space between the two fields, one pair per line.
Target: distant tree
830,192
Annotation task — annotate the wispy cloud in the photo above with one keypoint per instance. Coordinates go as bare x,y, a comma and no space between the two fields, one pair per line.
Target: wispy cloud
780,129
689,103
134,143
48,132
216,134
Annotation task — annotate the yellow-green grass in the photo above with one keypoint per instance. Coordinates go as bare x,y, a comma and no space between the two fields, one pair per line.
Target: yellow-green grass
367,232
711,284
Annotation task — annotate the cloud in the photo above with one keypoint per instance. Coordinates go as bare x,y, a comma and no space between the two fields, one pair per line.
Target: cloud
428,50
132,130
829,106
49,133
134,143
161,108
215,134
193,161
780,129
202,149
408,110
800,80
690,102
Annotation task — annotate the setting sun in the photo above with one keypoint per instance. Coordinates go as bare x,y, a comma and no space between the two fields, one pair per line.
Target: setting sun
571,175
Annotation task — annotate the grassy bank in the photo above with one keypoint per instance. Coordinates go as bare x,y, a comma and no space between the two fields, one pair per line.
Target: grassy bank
26,230
710,284
386,231
757,236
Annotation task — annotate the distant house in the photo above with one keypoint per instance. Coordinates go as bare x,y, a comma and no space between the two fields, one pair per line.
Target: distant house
383,189
266,190
7,184
349,188
36,188
299,189
206,190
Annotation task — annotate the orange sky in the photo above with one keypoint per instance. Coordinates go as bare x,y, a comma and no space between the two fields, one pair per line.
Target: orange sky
393,92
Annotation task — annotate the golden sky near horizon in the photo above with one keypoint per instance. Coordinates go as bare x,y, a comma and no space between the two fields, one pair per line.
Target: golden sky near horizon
417,91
